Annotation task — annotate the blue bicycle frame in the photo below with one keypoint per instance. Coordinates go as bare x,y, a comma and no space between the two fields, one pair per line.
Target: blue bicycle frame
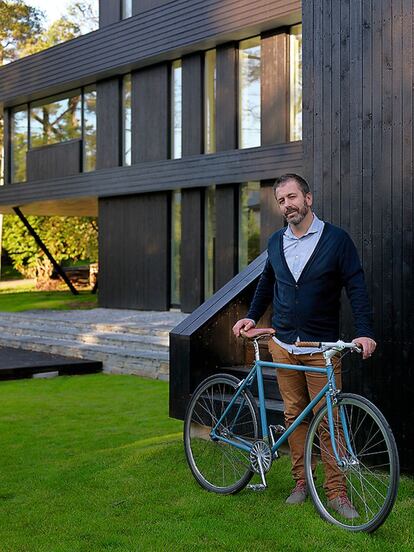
329,391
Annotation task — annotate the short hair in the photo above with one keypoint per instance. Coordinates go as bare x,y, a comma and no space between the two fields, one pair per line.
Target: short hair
301,182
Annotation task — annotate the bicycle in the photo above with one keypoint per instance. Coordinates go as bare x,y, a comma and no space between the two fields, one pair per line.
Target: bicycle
227,439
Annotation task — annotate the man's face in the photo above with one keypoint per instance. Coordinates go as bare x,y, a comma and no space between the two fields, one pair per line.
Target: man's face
292,203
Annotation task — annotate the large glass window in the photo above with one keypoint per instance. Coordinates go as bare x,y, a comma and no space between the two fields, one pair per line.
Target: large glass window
176,110
210,101
56,121
19,143
296,83
210,239
89,129
249,93
249,223
126,8
126,119
175,248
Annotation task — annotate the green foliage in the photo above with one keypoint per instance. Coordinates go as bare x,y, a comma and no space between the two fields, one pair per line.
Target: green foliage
66,238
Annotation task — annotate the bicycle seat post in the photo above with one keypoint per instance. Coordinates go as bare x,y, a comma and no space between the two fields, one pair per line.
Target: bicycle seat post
256,349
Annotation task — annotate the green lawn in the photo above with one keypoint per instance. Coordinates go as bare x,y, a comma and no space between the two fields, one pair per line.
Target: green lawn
93,463
15,297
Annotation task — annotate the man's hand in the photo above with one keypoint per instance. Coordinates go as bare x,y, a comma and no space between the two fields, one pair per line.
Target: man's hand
243,324
367,344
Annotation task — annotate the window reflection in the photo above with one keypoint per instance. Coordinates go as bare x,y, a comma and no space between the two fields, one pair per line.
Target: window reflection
126,8
249,223
126,119
89,129
210,101
175,248
249,93
56,121
210,239
19,143
176,110
296,83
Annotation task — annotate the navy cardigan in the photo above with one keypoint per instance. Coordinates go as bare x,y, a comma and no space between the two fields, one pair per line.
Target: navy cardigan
309,308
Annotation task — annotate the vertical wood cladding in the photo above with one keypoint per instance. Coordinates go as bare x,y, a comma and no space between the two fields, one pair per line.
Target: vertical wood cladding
226,97
358,156
110,11
109,123
192,104
54,161
225,266
274,88
270,217
140,6
7,146
150,113
192,249
133,252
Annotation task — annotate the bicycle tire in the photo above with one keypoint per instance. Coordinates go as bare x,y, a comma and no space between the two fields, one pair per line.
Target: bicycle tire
217,466
372,480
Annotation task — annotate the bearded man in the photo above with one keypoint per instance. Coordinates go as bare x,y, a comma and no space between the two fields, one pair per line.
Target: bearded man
308,264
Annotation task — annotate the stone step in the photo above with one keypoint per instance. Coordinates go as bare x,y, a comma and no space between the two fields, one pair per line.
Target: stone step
114,359
140,341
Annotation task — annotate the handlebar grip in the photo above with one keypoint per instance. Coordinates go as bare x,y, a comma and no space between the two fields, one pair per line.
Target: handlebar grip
308,344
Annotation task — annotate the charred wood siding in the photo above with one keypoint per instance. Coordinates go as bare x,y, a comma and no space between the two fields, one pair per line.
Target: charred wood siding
109,123
56,160
163,33
358,155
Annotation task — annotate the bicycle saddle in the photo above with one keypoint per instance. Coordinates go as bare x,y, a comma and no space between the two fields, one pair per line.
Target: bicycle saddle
256,333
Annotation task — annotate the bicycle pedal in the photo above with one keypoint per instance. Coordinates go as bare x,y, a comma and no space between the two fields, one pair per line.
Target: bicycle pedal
257,487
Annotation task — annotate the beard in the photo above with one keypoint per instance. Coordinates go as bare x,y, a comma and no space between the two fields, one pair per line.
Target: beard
298,214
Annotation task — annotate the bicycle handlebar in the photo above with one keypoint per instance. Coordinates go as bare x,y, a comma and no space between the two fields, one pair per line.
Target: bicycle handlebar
339,345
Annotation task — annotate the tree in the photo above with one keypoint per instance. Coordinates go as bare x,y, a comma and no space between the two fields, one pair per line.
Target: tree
73,238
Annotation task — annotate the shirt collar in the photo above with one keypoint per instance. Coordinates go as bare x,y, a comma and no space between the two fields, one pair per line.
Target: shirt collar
314,228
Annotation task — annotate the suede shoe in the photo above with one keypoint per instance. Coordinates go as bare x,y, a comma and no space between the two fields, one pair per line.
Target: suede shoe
343,506
299,493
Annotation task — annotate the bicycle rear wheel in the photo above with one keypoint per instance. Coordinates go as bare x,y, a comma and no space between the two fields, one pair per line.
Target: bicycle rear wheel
218,466
369,470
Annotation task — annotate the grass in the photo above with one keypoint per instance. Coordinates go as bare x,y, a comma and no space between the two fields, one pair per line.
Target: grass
93,463
21,297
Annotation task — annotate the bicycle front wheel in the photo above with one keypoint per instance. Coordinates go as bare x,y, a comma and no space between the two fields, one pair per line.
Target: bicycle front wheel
368,472
218,466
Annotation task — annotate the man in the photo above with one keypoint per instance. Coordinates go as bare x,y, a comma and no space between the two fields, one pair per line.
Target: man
309,262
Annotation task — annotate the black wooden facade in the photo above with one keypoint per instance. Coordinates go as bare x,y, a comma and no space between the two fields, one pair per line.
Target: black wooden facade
356,151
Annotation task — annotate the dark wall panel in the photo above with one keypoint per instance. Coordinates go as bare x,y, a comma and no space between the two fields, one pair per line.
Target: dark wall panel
110,11
109,127
192,249
275,88
133,252
140,6
192,104
225,266
358,153
150,114
7,148
54,161
226,97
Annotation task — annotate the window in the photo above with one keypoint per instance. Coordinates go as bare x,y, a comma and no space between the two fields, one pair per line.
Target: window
19,143
210,101
89,129
176,110
56,121
126,9
249,93
209,240
296,83
249,223
175,248
126,120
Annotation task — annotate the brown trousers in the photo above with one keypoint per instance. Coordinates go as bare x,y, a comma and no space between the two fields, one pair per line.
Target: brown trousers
298,389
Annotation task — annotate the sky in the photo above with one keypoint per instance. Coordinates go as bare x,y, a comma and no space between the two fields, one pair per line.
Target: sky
53,9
